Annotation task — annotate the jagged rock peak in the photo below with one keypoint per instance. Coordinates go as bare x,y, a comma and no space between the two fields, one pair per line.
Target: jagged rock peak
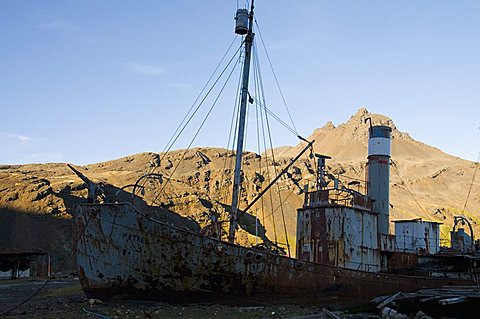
358,120
361,113
328,126
357,124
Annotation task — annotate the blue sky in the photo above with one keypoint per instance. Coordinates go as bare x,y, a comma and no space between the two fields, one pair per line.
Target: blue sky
88,81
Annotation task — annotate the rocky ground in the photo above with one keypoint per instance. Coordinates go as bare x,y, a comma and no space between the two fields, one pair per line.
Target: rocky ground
64,298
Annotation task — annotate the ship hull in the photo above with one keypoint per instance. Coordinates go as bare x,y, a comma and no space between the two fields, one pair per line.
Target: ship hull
122,253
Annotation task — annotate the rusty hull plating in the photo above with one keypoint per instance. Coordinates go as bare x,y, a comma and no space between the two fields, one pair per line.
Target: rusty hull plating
341,251
123,253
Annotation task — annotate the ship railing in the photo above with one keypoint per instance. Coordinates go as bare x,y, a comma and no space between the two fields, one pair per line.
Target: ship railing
337,197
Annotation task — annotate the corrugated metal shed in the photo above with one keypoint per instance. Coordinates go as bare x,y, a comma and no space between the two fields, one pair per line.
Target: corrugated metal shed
24,264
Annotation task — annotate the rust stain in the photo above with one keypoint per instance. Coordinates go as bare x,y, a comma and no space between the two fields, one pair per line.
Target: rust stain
147,259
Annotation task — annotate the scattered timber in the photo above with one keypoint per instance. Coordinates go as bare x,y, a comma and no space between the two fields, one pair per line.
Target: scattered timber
448,301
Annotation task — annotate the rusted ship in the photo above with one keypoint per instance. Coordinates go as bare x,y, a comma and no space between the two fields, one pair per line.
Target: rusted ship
344,246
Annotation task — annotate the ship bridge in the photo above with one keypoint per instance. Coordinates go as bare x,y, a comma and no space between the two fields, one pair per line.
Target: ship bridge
338,227
343,227
338,197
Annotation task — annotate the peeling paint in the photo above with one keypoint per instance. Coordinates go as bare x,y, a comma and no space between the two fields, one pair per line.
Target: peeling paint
123,253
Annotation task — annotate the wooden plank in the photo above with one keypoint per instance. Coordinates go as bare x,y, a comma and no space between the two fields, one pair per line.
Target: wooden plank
314,316
462,287
330,314
432,298
451,301
389,300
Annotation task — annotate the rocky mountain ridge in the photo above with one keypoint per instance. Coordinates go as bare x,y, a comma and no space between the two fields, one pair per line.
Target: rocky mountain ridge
349,141
36,200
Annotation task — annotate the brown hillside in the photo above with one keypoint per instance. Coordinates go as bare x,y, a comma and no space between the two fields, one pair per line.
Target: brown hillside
36,200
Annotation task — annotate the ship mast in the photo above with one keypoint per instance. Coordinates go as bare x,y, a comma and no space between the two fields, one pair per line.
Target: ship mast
241,29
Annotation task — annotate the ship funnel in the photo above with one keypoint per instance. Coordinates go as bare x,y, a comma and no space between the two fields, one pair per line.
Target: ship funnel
379,144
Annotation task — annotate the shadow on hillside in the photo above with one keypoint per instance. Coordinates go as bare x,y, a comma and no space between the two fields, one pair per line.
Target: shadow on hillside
251,225
23,231
51,232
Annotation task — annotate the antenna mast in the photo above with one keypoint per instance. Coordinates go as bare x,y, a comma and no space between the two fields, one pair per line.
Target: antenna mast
241,28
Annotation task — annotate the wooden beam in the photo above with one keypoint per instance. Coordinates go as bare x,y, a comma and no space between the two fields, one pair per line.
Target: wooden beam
330,314
388,300
451,301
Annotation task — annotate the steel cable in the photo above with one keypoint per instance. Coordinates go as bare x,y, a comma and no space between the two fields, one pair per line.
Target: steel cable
195,136
411,194
471,184
272,153
179,131
231,136
275,76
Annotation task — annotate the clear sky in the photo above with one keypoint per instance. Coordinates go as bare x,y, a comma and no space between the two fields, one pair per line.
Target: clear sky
88,81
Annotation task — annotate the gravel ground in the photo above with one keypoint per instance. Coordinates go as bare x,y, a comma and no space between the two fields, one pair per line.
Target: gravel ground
64,298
